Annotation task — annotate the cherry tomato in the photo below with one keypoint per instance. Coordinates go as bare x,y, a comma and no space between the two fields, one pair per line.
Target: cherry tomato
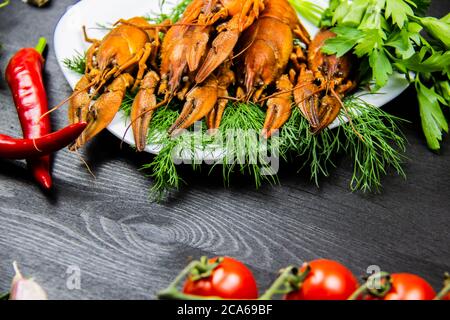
229,280
327,280
406,286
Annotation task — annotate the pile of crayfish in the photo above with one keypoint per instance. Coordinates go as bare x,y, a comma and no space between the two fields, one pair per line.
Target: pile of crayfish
220,50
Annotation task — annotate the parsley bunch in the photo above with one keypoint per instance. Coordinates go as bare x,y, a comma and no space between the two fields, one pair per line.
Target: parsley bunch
394,35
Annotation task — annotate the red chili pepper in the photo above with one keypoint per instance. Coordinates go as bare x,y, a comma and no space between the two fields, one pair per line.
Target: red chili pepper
11,148
24,76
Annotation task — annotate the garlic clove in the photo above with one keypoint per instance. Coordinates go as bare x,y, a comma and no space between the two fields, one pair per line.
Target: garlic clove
25,289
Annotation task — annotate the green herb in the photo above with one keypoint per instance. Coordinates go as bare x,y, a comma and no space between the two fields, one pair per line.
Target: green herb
173,16
238,132
386,36
106,26
77,63
244,121
314,151
163,169
382,146
127,103
164,172
308,10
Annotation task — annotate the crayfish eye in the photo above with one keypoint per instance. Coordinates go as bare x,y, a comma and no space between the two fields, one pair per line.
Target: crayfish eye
317,82
339,74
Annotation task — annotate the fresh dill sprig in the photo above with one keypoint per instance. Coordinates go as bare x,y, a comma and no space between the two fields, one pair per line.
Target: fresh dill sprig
173,16
240,128
161,122
315,151
127,103
163,168
164,172
382,146
77,63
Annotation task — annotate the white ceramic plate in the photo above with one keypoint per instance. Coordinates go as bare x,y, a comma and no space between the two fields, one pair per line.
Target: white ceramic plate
68,40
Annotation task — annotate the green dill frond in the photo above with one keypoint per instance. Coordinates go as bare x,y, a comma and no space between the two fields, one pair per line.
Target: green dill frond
314,151
127,103
161,122
382,146
174,15
164,172
244,121
163,168
77,63
243,116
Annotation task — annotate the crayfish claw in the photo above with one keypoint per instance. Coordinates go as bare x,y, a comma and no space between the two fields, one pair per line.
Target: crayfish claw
105,108
143,108
199,103
79,103
214,118
279,108
222,47
307,97
329,110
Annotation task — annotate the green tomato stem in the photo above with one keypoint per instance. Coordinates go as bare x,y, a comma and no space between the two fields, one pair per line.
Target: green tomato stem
444,292
172,292
288,276
365,288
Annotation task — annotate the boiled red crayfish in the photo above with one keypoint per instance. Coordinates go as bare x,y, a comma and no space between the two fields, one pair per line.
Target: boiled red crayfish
187,49
323,81
267,48
114,64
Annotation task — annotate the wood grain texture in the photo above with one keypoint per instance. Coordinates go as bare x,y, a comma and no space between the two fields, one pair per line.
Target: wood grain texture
128,247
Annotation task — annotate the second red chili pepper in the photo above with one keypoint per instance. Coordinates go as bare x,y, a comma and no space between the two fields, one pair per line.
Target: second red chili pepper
24,76
11,148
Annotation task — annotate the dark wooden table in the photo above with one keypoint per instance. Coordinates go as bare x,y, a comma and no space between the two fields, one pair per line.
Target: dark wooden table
128,247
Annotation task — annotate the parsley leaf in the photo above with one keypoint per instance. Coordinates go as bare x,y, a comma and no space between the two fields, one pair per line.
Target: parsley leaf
433,63
373,39
402,44
381,67
399,10
346,39
433,119
388,36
